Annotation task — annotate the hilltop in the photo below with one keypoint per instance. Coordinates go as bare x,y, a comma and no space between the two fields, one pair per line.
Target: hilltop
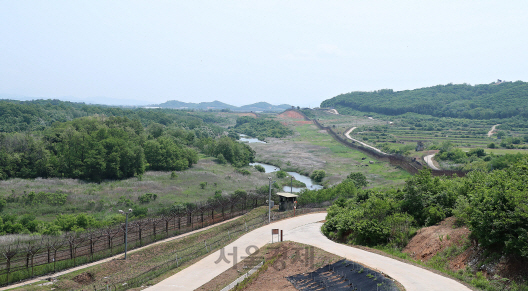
495,100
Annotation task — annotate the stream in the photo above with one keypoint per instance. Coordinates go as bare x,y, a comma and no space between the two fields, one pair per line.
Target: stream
270,168
249,139
306,180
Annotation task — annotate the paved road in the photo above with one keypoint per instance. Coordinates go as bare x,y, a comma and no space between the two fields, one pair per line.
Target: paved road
411,277
429,160
206,269
306,229
492,130
347,134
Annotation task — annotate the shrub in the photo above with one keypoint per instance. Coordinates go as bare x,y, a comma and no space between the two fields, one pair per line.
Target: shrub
140,212
260,168
244,172
318,175
221,159
147,197
281,174
203,184
359,179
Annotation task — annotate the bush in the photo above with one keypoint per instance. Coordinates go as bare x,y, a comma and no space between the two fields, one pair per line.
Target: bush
318,175
359,179
244,172
203,184
140,212
221,160
146,198
281,174
260,168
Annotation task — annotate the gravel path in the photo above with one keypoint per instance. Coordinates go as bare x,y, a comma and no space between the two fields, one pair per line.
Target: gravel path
305,229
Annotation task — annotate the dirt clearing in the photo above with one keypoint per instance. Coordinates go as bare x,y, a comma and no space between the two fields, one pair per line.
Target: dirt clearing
431,240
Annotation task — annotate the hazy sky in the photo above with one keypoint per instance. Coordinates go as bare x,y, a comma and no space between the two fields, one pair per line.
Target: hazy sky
241,52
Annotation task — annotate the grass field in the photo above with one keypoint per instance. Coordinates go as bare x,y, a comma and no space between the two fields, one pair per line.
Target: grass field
400,134
104,199
311,149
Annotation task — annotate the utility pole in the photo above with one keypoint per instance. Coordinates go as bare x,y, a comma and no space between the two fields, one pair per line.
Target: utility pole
269,201
126,228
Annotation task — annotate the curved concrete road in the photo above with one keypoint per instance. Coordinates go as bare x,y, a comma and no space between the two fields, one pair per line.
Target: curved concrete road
306,229
429,160
347,134
492,130
411,277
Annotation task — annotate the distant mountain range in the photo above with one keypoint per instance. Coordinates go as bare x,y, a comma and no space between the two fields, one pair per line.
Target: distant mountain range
217,105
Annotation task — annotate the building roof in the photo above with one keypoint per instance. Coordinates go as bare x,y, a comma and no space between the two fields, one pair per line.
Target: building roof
289,195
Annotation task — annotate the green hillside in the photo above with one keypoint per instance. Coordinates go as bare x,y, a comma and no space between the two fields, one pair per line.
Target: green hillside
485,101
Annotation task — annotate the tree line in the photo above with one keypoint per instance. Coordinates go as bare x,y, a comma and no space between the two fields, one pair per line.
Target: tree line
96,148
491,204
485,101
261,127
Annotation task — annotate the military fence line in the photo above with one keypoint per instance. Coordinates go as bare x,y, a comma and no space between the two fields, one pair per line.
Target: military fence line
410,165
48,254
178,257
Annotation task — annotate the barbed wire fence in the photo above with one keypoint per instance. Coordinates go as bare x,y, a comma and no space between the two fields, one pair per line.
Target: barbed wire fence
179,257
43,255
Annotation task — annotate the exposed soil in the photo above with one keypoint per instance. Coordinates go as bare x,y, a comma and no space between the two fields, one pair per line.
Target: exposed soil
431,240
291,114
84,278
291,260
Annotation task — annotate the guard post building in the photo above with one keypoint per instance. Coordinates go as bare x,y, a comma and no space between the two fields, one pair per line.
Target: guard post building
286,201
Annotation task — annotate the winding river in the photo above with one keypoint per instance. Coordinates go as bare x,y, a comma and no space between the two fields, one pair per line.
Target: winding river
306,180
270,169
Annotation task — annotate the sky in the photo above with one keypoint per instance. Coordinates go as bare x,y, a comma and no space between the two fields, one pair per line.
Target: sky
241,52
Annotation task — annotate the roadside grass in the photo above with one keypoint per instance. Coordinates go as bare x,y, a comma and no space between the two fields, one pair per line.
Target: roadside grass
380,173
312,149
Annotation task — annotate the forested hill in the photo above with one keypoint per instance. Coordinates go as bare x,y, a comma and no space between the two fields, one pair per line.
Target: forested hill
495,100
21,116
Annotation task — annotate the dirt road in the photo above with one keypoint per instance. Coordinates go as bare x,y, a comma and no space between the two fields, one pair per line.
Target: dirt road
305,229
347,134
429,160
492,130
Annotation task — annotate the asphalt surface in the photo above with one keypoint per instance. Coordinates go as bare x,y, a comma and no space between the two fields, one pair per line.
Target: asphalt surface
305,229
